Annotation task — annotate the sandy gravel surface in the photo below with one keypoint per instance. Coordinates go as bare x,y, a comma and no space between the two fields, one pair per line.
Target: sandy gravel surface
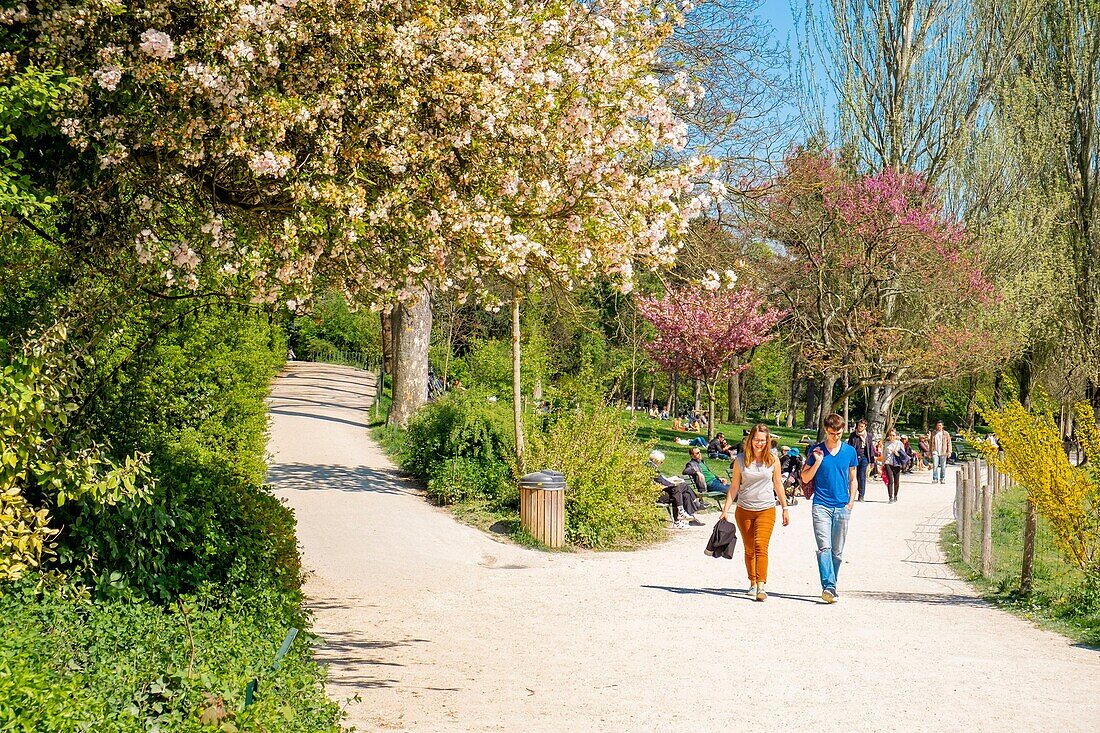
438,627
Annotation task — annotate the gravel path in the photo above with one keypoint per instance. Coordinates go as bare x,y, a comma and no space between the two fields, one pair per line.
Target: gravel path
438,627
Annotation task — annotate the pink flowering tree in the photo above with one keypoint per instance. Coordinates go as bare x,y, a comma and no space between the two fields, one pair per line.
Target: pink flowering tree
882,286
701,330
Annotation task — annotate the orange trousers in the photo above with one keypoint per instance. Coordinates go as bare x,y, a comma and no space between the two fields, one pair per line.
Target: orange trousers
756,532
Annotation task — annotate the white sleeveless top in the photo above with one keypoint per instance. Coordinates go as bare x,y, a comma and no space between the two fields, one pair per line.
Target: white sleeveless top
757,490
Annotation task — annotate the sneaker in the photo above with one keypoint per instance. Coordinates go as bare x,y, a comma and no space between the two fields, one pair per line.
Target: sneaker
751,592
828,595
680,524
761,594
694,522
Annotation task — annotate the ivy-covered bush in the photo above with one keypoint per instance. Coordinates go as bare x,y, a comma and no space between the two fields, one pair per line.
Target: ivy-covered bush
68,664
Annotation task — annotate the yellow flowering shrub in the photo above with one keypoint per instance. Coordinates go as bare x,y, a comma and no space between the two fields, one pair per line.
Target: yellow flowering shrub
1066,495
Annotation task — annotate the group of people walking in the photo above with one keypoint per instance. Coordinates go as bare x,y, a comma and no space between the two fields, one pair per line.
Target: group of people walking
835,472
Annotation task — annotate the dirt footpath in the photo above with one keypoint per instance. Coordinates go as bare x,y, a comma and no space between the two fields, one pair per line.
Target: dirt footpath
438,627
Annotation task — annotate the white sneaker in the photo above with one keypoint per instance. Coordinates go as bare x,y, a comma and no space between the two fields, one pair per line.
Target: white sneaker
751,592
761,594
680,524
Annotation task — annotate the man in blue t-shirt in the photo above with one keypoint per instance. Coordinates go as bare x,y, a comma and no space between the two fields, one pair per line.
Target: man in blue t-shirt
831,467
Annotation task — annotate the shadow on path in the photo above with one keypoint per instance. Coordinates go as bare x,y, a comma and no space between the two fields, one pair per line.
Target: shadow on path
730,593
313,416
313,477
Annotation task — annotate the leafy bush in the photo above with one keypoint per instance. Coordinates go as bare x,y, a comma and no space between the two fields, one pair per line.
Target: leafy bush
458,425
609,495
39,467
457,480
67,664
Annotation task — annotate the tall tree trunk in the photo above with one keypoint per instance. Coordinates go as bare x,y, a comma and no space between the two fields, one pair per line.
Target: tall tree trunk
712,401
696,395
1023,378
924,417
878,405
733,390
387,317
810,416
670,403
847,386
412,330
792,394
517,390
652,402
971,403
825,406
998,389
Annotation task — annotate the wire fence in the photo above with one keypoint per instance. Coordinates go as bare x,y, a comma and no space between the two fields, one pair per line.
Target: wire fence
1001,536
369,362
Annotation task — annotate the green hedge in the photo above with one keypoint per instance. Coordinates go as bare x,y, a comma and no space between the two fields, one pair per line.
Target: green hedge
73,665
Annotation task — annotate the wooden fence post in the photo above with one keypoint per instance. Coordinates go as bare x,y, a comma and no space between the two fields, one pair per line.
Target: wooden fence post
958,506
1031,524
987,530
967,512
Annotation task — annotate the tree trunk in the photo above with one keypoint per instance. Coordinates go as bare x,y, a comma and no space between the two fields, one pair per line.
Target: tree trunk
517,391
387,316
792,394
412,330
825,405
733,387
998,389
847,386
712,400
924,418
810,416
878,405
696,394
971,403
652,402
669,406
1023,378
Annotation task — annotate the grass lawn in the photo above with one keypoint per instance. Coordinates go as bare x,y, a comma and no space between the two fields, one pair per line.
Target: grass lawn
1059,599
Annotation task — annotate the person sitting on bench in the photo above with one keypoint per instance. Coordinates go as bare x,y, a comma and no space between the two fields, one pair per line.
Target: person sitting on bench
676,492
700,473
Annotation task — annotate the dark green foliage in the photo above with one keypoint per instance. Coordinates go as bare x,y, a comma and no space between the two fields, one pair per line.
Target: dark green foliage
332,325
72,665
194,400
457,480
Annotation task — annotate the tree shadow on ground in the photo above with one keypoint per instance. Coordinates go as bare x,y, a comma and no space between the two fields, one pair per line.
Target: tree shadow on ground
352,658
312,416
931,599
311,477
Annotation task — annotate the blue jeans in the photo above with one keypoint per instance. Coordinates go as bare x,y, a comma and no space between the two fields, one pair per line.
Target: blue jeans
939,468
830,530
861,477
717,485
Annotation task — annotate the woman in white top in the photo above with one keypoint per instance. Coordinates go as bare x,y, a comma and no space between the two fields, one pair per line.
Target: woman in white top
893,459
755,484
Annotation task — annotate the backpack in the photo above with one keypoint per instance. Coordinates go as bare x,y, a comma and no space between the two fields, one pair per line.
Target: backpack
807,487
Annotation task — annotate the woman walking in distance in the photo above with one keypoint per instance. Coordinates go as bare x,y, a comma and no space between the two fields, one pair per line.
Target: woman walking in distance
755,485
893,460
